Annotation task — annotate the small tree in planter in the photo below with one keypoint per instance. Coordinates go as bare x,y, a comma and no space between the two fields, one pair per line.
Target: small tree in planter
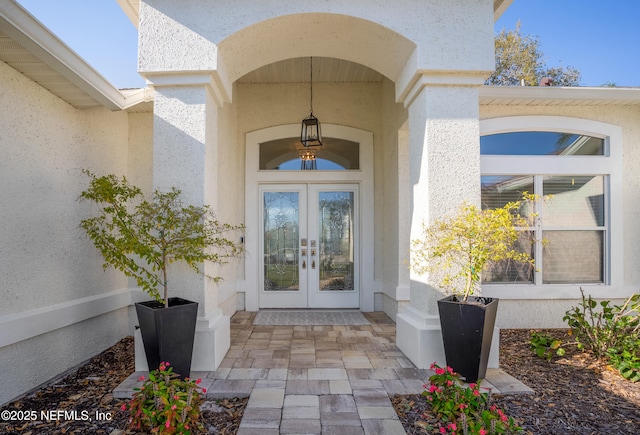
461,248
141,238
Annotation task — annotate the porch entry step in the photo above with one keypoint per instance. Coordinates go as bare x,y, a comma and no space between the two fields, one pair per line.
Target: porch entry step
309,318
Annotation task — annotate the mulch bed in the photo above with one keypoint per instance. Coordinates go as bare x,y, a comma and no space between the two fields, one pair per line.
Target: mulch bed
575,394
89,390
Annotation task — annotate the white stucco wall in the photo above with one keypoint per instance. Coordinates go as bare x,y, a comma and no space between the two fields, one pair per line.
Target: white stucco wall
398,39
529,313
226,185
140,160
392,270
51,274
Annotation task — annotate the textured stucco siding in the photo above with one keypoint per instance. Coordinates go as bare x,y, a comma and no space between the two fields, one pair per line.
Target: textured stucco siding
46,258
234,37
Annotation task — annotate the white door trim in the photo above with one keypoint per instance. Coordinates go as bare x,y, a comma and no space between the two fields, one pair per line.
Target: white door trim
254,177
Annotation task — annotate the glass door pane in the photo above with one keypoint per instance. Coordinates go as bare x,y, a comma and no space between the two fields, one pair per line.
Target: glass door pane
336,237
333,280
281,235
309,246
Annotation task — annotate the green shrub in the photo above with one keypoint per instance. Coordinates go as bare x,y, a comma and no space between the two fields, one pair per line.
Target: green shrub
605,330
609,331
544,345
600,327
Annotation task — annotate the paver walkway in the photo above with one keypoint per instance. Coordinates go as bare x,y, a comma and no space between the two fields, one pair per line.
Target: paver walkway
319,379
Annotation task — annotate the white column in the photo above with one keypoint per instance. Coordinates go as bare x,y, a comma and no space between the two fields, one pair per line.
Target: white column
444,168
185,150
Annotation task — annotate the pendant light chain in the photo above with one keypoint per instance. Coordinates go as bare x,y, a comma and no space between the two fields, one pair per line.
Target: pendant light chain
310,134
311,84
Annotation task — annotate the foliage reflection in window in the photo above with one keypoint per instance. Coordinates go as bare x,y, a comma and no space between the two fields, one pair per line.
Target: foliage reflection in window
541,143
572,223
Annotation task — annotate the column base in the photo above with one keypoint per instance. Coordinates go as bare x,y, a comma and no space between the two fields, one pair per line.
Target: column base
212,341
419,337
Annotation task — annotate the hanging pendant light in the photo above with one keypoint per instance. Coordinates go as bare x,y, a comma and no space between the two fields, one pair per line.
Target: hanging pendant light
307,159
310,135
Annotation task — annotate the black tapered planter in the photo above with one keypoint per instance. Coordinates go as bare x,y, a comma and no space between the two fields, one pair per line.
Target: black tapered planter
467,331
168,333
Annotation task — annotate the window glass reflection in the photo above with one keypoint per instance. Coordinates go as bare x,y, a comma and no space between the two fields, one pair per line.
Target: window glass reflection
288,154
541,143
575,201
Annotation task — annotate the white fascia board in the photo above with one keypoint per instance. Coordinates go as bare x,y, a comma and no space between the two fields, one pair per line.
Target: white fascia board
131,10
134,97
499,7
604,94
30,33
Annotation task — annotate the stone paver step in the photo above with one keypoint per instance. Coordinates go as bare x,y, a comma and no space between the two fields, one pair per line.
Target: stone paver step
321,380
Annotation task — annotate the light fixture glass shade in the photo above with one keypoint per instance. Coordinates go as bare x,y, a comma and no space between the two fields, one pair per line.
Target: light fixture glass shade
308,159
310,135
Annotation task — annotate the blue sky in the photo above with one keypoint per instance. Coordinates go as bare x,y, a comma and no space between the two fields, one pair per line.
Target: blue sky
601,38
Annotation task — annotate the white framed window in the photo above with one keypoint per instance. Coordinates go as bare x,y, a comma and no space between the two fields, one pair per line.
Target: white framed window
579,163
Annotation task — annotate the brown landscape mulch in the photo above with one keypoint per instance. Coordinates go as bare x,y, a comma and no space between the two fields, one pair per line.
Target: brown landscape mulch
574,394
92,409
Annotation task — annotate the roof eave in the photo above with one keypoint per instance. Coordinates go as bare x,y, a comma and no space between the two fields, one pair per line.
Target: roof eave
132,9
526,95
31,34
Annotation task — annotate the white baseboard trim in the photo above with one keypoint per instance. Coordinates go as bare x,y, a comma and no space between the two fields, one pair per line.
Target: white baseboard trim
22,326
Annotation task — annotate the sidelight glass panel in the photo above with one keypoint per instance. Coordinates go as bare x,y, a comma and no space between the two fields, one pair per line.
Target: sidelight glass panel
336,240
281,236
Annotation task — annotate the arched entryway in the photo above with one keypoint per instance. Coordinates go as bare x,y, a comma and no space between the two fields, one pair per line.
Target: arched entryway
309,235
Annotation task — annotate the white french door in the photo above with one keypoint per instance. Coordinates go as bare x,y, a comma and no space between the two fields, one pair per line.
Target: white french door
309,243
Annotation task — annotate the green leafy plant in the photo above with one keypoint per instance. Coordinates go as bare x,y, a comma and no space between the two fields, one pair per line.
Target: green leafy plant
469,242
166,404
626,360
464,409
142,237
599,327
545,346
609,331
